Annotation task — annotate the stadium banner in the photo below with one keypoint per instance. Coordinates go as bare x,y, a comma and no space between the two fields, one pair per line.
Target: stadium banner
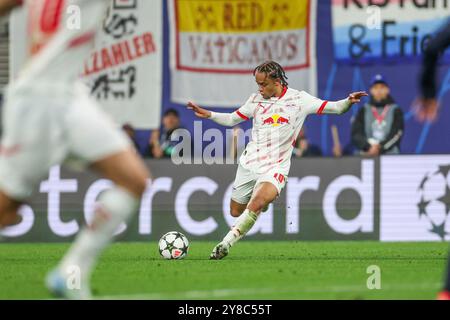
324,199
215,46
415,198
124,71
386,30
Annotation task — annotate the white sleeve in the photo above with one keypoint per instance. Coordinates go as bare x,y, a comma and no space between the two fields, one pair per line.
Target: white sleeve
247,110
336,107
244,113
226,119
318,106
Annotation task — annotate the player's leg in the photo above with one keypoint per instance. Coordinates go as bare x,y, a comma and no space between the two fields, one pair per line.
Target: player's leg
243,186
126,169
447,277
266,189
93,138
263,195
114,207
445,294
237,208
9,211
24,155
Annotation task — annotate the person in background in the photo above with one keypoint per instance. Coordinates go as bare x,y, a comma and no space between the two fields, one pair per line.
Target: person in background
303,148
160,142
378,126
337,150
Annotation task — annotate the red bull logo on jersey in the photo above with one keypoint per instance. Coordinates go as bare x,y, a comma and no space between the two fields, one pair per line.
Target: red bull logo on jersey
275,120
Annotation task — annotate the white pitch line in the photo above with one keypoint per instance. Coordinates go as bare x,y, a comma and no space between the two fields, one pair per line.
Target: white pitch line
224,293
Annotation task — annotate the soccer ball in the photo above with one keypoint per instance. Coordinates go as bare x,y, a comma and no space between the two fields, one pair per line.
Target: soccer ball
173,245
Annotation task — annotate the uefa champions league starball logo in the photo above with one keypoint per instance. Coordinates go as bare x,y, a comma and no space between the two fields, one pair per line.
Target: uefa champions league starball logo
434,201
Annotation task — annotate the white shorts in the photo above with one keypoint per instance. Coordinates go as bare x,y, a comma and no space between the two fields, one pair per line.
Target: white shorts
41,130
246,181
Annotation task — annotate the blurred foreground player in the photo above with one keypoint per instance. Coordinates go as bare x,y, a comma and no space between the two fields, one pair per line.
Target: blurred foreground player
278,114
427,108
49,118
428,105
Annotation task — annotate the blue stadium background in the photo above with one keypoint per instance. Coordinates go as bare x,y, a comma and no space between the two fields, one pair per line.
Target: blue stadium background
335,82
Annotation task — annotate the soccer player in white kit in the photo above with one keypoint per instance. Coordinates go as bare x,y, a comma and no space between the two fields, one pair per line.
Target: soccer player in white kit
49,118
278,113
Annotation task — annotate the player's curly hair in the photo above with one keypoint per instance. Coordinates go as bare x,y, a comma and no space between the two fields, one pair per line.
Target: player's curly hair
273,70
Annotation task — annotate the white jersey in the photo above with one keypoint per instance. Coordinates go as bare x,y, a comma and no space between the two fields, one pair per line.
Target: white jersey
276,124
48,118
60,36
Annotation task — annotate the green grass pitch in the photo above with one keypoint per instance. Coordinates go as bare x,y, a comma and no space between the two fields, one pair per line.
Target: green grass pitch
253,270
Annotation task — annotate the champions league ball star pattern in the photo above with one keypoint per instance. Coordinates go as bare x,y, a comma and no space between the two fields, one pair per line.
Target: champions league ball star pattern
173,245
434,202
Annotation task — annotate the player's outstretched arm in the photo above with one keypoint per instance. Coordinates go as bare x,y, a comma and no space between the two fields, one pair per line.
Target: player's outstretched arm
355,97
199,112
225,119
341,106
7,5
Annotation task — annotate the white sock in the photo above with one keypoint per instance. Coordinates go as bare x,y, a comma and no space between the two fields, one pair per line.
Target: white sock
114,207
243,224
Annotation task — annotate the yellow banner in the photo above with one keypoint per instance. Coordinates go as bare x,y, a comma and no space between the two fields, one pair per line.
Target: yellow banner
241,16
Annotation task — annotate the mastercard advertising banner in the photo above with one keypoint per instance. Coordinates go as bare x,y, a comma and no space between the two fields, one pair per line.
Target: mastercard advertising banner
215,46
